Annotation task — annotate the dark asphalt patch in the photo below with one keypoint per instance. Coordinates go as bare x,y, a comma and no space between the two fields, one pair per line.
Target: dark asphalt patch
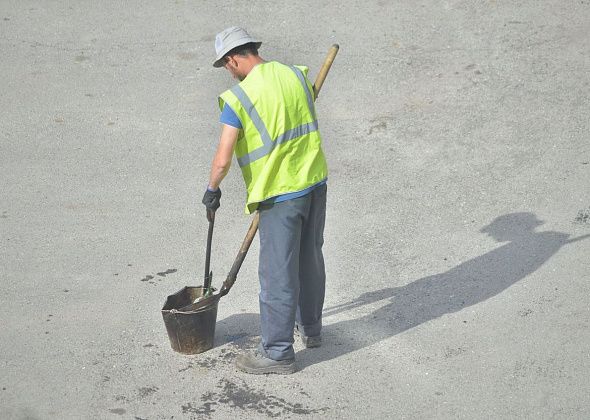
583,216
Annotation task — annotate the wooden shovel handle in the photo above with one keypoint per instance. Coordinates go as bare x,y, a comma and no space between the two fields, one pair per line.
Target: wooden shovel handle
319,81
233,273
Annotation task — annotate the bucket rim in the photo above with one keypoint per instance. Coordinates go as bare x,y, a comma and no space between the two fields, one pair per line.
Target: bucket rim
214,300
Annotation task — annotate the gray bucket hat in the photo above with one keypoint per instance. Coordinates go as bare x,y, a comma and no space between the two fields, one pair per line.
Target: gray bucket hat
229,39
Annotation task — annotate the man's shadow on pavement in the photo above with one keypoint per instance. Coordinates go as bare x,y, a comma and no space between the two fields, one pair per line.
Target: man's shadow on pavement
430,297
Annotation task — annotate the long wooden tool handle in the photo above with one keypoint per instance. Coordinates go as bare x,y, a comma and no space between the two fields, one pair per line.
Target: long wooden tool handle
233,273
319,81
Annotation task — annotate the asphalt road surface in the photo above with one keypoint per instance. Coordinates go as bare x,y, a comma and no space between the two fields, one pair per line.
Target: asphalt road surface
457,240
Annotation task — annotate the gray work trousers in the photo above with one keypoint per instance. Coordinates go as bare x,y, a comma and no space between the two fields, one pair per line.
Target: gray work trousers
291,271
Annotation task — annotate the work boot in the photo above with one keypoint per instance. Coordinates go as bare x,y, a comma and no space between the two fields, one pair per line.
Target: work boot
309,342
258,364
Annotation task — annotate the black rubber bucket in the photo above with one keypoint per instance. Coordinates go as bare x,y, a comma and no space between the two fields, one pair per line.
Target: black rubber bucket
190,332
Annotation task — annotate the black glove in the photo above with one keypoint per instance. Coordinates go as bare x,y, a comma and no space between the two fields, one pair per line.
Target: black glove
211,199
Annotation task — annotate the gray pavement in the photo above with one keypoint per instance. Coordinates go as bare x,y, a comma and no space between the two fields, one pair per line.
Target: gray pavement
458,217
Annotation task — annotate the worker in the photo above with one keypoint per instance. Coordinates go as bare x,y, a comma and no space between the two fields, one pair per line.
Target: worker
269,121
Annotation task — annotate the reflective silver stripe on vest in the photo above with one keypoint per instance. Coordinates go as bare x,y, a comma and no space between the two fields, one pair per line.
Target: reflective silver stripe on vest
286,136
297,132
268,144
249,106
306,88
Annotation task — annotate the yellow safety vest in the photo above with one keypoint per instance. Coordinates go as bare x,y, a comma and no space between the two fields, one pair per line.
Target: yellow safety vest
279,147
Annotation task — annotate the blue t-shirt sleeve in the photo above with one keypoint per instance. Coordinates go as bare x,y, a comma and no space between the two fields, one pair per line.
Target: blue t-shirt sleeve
229,117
